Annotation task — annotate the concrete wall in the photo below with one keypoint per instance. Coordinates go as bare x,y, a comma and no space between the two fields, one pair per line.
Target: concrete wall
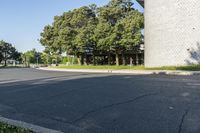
172,32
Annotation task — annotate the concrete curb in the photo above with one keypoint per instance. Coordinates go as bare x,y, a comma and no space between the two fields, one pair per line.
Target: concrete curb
24,125
138,72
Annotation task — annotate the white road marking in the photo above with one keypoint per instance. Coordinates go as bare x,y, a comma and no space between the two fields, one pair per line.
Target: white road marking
9,81
194,84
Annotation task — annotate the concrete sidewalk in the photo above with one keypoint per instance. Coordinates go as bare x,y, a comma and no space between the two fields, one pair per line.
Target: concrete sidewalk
140,72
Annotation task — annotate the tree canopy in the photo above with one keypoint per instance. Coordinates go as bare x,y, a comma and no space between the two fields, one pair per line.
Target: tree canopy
7,52
111,29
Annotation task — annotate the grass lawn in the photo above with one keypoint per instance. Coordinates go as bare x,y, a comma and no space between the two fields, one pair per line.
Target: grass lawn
4,128
103,67
183,68
107,67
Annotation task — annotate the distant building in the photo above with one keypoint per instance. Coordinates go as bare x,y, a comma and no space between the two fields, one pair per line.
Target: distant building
13,62
172,32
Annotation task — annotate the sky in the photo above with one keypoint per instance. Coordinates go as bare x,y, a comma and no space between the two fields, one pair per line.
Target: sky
22,21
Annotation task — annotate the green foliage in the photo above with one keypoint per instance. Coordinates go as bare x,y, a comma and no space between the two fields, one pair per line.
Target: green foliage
70,60
46,58
130,29
33,57
30,56
7,52
4,128
102,35
113,28
65,60
48,37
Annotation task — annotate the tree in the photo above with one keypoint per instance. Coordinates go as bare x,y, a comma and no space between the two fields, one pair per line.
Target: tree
7,51
102,35
85,39
35,57
128,31
68,29
45,58
125,25
1,54
112,29
47,38
30,57
83,22
17,56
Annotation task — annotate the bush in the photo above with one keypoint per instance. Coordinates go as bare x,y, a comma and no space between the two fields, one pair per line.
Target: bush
5,128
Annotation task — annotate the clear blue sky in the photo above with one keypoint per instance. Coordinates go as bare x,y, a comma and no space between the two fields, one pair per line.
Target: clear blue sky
23,20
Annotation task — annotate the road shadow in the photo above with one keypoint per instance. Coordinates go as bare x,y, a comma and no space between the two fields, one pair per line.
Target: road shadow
91,102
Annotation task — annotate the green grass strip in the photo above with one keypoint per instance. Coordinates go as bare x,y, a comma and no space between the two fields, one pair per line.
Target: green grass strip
5,128
107,67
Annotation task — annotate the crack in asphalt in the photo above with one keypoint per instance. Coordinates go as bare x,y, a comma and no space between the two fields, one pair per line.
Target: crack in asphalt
182,120
112,105
61,120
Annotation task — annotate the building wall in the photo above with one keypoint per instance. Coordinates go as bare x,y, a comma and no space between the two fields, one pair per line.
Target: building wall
172,32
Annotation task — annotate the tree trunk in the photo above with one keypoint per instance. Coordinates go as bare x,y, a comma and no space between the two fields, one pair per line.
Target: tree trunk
117,59
109,58
104,61
5,61
131,61
137,59
79,59
85,59
14,63
56,60
94,60
123,59
82,59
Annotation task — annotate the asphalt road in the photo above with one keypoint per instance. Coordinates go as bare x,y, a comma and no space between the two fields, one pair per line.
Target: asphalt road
101,103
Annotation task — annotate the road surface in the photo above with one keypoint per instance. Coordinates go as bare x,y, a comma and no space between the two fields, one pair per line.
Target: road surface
101,103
